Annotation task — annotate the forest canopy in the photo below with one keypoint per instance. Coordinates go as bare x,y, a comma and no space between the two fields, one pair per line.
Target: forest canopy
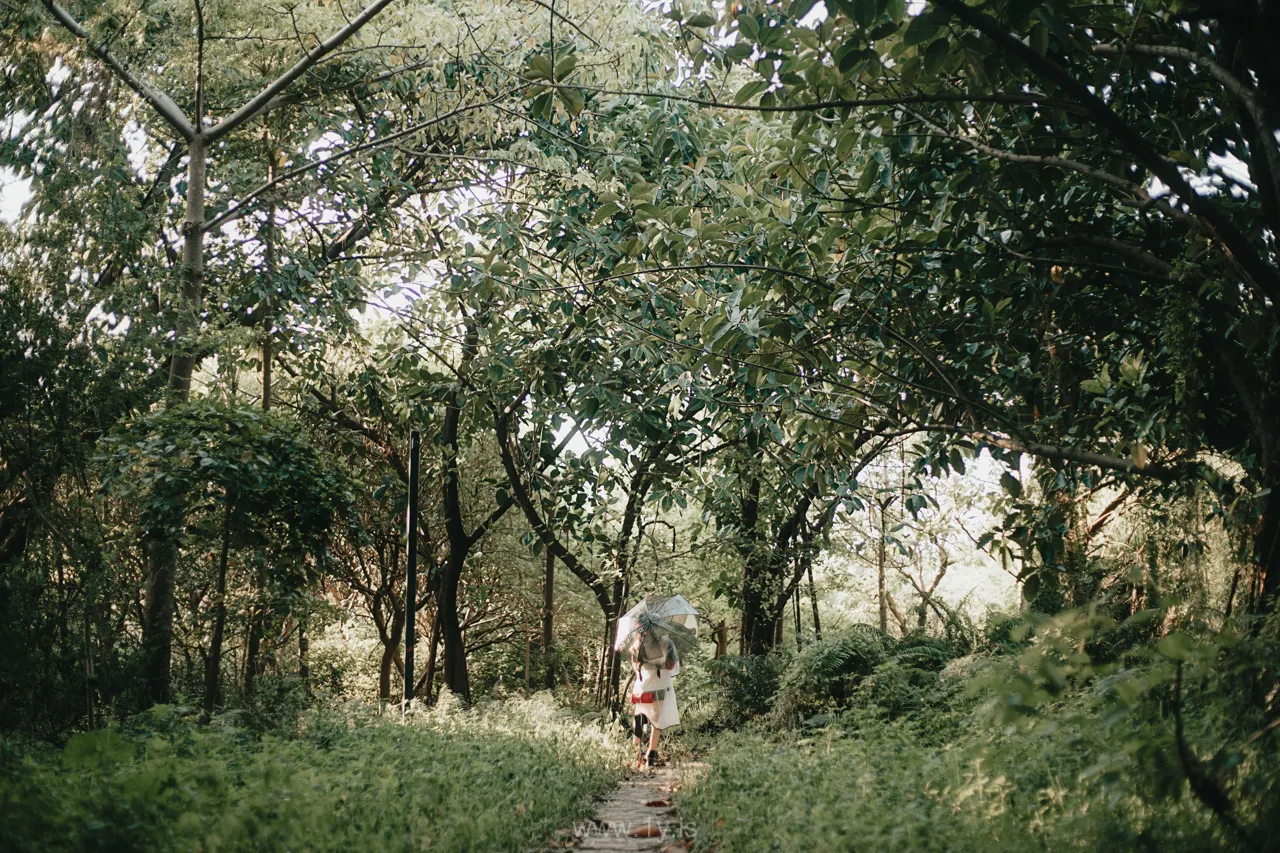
930,349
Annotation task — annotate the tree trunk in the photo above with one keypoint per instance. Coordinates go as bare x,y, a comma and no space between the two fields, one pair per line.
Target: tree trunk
269,265
429,677
213,664
882,586
254,644
721,636
548,652
157,617
796,599
390,648
611,640
304,646
757,628
813,600
455,652
89,678
1266,545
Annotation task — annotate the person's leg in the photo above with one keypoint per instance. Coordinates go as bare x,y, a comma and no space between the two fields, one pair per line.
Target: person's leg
652,756
638,730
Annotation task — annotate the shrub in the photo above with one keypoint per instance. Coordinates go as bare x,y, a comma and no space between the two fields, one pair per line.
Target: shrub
727,692
495,778
822,676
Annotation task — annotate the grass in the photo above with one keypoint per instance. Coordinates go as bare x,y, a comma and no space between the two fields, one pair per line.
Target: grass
890,793
500,777
954,778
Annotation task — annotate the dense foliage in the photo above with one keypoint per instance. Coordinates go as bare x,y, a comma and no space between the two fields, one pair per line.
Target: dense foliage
487,780
929,348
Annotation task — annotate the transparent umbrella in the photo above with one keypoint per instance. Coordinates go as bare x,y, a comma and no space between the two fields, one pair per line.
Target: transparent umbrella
655,618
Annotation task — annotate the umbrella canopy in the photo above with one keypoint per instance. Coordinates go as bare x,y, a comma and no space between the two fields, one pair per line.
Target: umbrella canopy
655,618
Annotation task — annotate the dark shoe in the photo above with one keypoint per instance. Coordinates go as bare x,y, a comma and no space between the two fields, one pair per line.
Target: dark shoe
652,757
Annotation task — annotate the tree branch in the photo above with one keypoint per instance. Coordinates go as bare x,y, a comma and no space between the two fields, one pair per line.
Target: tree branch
1261,275
1119,247
162,103
1229,81
817,106
260,100
1084,457
1262,119
544,533
237,210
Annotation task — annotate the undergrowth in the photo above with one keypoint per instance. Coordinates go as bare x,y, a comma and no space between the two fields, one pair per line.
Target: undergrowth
496,777
1054,738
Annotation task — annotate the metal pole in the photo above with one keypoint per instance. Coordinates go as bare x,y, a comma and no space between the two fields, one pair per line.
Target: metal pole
411,580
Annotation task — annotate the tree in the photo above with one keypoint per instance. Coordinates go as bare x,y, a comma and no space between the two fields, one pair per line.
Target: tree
981,186
246,467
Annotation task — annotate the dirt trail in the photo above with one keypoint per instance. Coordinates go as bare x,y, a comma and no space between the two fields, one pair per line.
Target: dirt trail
637,816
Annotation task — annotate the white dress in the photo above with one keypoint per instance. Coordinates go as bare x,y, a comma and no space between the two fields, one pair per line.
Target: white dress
653,695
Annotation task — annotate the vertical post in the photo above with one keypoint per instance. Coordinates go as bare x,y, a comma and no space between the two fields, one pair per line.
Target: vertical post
411,576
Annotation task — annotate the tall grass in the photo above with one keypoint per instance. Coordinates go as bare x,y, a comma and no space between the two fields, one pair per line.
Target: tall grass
494,778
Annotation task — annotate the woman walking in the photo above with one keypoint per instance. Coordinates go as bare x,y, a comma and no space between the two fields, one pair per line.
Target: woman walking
653,633
654,660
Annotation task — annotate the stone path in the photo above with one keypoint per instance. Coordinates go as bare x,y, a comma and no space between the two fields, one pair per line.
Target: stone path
636,817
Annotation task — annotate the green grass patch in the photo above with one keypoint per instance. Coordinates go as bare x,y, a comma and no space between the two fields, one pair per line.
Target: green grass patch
885,790
500,777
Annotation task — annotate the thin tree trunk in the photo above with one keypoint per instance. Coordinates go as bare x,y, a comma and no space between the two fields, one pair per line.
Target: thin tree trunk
1266,548
455,652
390,648
813,600
882,587
254,645
796,599
429,677
548,652
213,665
304,647
88,670
270,265
602,675
157,617
1231,595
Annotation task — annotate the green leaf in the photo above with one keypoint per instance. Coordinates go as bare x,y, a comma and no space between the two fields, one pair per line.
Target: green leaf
800,8
1031,587
749,27
865,12
565,65
936,54
1011,484
701,19
540,68
97,749
572,100
749,91
605,213
1040,39
921,29
1176,646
